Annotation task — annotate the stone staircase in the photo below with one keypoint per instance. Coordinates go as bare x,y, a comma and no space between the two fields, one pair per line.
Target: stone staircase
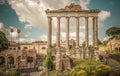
114,65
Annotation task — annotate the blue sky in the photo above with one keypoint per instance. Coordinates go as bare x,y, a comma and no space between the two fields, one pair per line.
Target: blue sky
30,18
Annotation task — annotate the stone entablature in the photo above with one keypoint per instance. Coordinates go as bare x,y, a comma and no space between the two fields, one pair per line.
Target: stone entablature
72,11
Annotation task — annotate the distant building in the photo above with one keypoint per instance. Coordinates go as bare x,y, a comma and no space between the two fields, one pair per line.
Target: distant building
13,46
71,43
18,58
114,45
23,55
39,46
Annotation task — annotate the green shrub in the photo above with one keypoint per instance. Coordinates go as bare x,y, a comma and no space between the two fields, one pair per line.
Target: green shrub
9,72
78,71
102,70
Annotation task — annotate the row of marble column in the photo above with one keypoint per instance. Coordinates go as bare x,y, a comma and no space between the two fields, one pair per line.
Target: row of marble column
95,31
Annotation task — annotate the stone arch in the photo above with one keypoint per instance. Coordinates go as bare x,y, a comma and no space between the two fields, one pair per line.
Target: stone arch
2,61
25,48
10,61
30,59
43,48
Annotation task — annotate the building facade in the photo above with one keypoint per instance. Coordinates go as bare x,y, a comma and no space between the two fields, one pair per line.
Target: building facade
114,45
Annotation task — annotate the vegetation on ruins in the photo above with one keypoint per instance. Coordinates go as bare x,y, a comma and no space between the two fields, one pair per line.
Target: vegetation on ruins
102,70
9,72
84,68
99,43
3,42
49,61
90,68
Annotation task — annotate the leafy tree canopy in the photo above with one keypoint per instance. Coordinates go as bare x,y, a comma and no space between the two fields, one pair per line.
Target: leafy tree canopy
3,42
83,44
113,31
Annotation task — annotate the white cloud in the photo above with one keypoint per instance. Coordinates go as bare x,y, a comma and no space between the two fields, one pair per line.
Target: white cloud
13,34
44,38
73,36
1,25
105,38
63,37
24,40
27,34
33,12
28,26
104,15
84,4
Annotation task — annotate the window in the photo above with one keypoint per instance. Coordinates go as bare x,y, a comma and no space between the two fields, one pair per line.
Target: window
18,48
10,48
25,48
14,48
43,48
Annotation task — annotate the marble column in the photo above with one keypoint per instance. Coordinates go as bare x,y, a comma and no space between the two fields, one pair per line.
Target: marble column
77,32
86,32
49,32
67,34
93,31
86,38
58,33
96,32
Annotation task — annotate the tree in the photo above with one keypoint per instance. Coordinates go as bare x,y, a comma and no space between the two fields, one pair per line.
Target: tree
83,44
113,31
49,61
3,42
99,42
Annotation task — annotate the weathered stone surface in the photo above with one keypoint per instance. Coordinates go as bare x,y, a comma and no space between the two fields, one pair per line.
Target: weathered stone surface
63,62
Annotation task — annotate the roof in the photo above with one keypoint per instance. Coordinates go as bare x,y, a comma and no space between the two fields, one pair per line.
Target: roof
12,43
40,42
114,41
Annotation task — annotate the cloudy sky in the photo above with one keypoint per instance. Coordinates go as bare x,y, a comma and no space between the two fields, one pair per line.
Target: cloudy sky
29,16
